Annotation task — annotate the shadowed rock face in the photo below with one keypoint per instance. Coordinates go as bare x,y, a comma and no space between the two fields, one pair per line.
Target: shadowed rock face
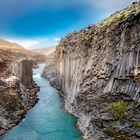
101,65
22,69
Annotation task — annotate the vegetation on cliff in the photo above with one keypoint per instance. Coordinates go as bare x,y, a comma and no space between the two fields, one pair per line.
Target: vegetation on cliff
117,109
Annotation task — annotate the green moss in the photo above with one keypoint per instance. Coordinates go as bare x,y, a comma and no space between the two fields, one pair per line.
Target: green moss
137,124
121,15
117,109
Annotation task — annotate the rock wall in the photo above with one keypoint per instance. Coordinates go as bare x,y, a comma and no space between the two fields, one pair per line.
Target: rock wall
17,95
22,69
100,65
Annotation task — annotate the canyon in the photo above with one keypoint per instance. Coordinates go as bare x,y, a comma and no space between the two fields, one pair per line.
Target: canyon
17,94
17,88
29,107
97,71
47,120
97,74
11,51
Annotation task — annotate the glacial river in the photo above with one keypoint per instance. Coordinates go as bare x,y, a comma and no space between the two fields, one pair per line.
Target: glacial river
46,120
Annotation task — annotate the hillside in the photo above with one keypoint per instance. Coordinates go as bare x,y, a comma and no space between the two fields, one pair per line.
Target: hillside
16,65
45,51
10,52
48,53
98,71
10,45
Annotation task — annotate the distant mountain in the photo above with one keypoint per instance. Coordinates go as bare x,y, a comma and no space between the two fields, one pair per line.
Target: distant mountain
12,50
45,51
16,83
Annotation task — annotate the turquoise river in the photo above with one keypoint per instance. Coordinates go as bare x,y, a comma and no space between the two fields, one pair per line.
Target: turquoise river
46,120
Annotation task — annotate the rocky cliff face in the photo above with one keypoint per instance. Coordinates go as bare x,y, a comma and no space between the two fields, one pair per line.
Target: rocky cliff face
17,94
22,69
11,52
99,73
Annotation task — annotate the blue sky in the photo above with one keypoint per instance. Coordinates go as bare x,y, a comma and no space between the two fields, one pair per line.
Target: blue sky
41,23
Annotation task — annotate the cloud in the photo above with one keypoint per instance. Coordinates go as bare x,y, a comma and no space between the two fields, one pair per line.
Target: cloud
47,42
36,43
109,4
28,44
57,39
106,4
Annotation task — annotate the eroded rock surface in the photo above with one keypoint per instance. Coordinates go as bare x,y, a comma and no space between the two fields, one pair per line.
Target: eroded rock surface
100,65
17,94
22,69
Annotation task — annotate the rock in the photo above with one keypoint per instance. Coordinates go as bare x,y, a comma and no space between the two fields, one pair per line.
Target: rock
136,118
138,133
23,70
1,61
97,66
106,124
131,130
106,117
15,98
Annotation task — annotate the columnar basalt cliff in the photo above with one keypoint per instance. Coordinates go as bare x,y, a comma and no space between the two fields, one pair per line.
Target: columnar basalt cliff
23,71
17,94
99,73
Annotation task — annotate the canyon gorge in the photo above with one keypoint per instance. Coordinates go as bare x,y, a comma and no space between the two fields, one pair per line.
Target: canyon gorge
29,107
17,94
17,88
97,71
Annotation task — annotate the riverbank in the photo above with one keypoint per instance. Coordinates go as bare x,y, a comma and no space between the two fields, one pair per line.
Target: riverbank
9,121
17,94
46,120
52,77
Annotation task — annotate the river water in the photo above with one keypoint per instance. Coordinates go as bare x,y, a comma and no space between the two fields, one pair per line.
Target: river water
46,120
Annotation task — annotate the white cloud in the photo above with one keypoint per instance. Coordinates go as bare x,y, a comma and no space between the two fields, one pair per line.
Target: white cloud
109,4
28,44
56,39
36,43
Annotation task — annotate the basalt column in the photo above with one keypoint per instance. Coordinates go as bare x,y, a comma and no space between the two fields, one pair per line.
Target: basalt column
23,70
